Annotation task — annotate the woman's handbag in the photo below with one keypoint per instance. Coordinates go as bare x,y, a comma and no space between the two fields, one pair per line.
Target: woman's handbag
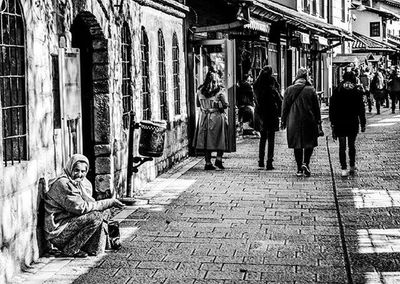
113,235
320,130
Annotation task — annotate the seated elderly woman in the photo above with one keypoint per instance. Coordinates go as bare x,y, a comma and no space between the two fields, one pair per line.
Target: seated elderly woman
73,218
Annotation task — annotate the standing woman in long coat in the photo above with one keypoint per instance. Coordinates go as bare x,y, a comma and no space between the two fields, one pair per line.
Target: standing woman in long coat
268,110
211,131
301,116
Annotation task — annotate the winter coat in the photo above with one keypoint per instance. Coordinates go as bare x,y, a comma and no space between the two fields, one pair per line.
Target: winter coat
302,116
394,83
245,95
268,104
346,109
378,86
212,127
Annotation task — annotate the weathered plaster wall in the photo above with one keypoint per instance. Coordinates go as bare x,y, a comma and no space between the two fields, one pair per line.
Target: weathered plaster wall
19,183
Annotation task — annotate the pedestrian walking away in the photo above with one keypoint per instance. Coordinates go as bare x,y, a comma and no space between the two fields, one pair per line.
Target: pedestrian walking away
378,90
301,116
394,88
346,112
268,111
365,79
75,223
211,131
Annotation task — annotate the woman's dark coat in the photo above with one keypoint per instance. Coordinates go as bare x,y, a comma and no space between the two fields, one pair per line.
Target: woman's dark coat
346,110
302,116
268,103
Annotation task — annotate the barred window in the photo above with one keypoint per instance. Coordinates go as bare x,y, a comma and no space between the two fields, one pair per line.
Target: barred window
162,82
146,103
175,72
12,82
322,8
375,29
126,74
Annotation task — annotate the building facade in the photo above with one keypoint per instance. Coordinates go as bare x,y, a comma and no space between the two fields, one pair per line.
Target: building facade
74,76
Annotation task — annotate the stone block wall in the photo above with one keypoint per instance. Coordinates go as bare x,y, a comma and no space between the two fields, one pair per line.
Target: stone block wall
19,183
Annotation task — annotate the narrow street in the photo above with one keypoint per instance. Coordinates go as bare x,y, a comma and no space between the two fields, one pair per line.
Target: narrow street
248,225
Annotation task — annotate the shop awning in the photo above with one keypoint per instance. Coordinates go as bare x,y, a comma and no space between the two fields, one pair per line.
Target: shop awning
277,12
356,58
363,43
258,25
253,24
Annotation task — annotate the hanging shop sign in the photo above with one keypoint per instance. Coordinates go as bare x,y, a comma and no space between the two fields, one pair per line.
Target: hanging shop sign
304,38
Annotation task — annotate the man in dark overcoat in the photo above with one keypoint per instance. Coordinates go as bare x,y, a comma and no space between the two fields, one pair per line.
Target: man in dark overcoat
301,116
346,113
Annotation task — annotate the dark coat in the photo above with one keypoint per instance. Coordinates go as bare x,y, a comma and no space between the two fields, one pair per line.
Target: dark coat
346,109
301,117
268,103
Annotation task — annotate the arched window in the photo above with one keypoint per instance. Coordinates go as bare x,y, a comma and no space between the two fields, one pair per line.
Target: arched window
144,43
12,82
126,53
175,74
162,82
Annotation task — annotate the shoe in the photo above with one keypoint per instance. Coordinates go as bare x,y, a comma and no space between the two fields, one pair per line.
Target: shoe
261,164
209,167
270,167
299,173
353,170
393,112
306,170
344,173
219,164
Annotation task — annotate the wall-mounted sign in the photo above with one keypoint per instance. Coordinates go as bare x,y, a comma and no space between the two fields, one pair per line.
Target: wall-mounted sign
304,38
321,40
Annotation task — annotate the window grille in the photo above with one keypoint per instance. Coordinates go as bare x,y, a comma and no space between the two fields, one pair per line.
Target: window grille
314,7
162,77
375,29
126,75
175,67
145,76
322,8
12,82
343,10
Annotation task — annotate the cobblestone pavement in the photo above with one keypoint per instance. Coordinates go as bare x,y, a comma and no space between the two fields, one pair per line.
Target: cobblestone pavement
247,225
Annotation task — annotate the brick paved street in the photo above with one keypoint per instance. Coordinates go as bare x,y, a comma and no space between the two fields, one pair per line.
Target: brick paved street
246,225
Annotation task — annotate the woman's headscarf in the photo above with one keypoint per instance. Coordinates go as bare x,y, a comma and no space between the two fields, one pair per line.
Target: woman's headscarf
85,184
72,161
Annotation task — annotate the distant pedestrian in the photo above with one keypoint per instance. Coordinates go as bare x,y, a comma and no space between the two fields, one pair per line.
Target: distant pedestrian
245,101
365,79
302,117
394,87
346,112
268,110
211,131
378,90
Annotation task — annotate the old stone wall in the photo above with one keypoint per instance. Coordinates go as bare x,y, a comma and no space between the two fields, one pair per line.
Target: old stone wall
20,183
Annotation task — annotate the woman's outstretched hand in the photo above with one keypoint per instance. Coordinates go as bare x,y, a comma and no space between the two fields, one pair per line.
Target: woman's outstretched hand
117,203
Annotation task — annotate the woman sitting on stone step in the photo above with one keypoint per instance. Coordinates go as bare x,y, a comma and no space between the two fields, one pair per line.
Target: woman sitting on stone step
75,222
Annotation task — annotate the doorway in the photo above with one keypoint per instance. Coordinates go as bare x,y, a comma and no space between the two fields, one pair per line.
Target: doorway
219,53
89,38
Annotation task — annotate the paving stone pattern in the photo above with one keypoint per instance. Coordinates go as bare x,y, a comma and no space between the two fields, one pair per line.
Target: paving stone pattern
370,202
247,225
